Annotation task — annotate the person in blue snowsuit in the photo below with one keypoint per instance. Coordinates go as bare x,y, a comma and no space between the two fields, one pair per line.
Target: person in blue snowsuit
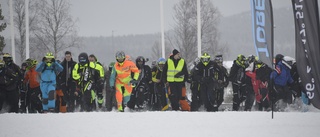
281,77
48,68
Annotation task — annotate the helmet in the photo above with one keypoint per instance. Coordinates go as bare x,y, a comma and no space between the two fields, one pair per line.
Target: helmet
111,65
278,58
140,59
241,59
205,58
83,58
259,64
251,58
34,62
7,58
218,59
49,55
120,56
160,63
1,64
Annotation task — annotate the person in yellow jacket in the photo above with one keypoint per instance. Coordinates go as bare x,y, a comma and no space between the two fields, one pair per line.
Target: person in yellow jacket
175,74
122,79
89,77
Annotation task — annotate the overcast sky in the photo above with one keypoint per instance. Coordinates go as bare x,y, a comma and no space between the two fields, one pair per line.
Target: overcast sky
101,17
125,17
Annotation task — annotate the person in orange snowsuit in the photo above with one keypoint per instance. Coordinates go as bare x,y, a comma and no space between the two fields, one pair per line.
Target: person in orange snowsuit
33,94
122,79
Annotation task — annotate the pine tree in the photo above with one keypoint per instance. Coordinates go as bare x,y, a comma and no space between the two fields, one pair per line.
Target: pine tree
2,27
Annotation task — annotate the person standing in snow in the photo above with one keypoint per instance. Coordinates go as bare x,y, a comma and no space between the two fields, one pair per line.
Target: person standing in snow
281,77
176,73
93,58
48,68
67,86
204,74
110,93
88,77
238,77
121,79
221,76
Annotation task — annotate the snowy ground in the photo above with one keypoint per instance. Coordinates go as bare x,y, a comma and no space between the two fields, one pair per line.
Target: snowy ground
161,124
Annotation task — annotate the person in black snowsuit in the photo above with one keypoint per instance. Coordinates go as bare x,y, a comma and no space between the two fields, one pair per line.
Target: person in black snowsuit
23,89
66,83
194,86
238,77
141,91
7,58
204,74
159,98
221,76
8,89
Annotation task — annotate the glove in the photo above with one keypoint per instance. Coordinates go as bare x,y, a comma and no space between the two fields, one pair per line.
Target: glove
134,82
112,88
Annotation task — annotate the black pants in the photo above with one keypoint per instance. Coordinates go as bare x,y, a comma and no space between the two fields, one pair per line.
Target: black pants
239,95
175,89
9,99
196,98
34,102
283,92
208,96
250,96
110,99
219,97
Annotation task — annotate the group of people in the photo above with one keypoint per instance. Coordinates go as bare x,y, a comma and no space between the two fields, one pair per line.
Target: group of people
68,86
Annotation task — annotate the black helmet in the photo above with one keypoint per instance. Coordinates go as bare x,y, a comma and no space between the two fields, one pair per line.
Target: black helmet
83,58
278,58
120,56
140,59
7,58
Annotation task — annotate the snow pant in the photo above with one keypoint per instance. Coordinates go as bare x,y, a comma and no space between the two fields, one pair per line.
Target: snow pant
250,98
239,95
208,96
195,97
48,95
283,92
177,95
138,96
23,96
34,101
61,105
123,93
69,98
9,99
219,98
110,99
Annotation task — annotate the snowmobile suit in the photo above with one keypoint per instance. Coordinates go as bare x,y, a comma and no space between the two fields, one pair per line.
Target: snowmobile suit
8,89
221,77
237,76
89,77
48,83
34,92
204,74
141,91
262,97
160,102
121,78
